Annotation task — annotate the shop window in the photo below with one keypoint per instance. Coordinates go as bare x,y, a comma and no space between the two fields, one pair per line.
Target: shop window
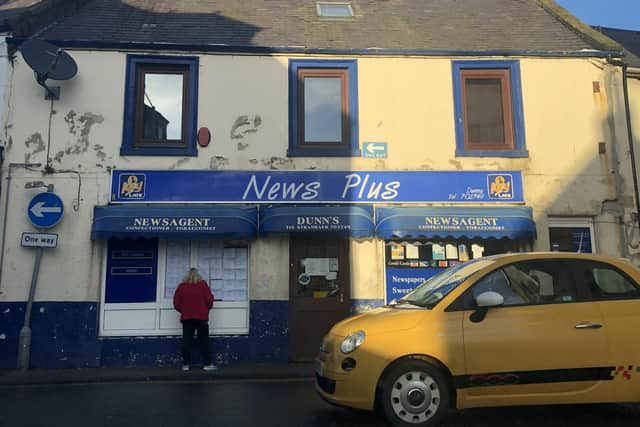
142,304
323,108
160,106
488,109
571,235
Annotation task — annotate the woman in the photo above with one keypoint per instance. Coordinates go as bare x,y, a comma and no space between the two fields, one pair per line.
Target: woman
193,300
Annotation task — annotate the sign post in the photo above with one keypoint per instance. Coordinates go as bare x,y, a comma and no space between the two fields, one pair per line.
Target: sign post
45,211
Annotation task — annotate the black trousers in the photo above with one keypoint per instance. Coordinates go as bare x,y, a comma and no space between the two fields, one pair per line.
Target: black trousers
201,329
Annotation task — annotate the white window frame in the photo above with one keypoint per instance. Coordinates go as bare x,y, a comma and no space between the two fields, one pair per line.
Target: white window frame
577,222
226,318
345,4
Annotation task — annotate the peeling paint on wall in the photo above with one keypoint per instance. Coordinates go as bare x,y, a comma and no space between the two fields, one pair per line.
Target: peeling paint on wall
244,125
279,163
101,154
80,128
179,163
34,144
456,164
218,162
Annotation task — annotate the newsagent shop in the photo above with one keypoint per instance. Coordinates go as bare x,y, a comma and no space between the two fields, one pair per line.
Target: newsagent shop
287,254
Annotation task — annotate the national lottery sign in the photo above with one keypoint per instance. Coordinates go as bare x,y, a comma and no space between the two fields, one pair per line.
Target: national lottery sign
203,186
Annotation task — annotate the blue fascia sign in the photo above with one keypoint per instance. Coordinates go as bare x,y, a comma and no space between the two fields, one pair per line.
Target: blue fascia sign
45,210
198,186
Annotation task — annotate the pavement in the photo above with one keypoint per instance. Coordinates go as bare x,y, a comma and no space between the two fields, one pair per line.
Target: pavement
253,371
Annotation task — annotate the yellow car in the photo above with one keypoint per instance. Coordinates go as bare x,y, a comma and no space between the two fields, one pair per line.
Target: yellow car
513,329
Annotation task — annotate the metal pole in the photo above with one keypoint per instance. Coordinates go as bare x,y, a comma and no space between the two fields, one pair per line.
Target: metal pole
6,207
24,343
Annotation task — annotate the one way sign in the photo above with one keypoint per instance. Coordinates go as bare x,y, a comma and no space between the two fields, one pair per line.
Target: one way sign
374,149
45,210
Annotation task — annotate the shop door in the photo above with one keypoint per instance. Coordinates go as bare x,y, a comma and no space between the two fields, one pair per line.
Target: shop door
318,292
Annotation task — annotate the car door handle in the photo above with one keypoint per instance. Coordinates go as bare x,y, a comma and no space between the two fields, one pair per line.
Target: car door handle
588,325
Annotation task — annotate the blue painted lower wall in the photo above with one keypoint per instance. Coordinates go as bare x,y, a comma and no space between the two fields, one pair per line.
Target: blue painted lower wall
65,335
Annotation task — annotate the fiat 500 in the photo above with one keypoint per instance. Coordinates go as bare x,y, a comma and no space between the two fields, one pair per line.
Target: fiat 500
513,329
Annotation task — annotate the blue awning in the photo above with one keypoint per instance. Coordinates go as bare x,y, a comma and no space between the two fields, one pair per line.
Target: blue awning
401,222
175,221
356,221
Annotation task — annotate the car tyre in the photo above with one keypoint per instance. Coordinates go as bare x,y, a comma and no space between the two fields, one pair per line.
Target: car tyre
415,393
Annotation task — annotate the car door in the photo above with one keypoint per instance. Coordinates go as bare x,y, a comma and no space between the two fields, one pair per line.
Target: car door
617,295
543,345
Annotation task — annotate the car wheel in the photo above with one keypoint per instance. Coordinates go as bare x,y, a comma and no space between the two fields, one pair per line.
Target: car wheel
415,393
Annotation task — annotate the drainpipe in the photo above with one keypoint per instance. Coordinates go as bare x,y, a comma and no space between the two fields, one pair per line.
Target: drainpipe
6,208
627,111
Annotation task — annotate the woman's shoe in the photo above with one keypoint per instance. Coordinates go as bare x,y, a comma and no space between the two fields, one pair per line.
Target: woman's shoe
210,367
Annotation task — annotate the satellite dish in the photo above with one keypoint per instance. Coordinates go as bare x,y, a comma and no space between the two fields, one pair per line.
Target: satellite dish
49,62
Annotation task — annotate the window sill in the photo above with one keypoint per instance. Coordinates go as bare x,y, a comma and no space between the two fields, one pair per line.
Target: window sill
492,153
160,151
324,153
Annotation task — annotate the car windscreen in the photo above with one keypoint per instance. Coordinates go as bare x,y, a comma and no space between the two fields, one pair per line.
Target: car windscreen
434,289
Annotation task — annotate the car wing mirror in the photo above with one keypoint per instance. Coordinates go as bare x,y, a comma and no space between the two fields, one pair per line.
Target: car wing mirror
484,301
489,299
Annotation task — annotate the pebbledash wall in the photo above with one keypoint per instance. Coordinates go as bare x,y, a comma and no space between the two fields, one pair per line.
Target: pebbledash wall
576,162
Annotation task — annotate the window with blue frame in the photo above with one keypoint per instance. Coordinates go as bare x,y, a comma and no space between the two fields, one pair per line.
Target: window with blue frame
323,108
488,109
160,113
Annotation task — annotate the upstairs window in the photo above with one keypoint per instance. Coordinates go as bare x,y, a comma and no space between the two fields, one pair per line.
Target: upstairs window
488,109
160,106
323,108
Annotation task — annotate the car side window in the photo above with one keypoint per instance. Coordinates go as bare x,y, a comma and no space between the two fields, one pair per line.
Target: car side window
526,283
605,282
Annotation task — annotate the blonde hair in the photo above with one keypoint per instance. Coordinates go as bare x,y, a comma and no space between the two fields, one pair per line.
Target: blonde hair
192,276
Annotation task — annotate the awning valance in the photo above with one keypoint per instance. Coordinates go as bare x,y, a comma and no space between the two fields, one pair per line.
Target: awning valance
175,221
400,222
355,221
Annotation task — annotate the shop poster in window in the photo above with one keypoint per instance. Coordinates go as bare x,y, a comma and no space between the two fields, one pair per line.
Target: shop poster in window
397,252
437,252
411,251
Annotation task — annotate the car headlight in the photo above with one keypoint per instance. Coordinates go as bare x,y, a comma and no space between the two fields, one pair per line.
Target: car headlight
352,342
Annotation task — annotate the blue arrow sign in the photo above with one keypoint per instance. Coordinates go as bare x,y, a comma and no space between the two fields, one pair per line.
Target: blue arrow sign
374,149
45,210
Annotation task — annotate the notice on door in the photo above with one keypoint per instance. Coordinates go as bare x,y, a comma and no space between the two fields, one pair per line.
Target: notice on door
317,266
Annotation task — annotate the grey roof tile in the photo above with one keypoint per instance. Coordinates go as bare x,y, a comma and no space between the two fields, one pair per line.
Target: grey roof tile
461,25
629,39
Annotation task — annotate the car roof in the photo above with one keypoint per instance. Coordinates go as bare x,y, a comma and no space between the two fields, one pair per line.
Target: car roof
523,256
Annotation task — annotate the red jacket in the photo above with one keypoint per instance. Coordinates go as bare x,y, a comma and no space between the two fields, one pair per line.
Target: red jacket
193,300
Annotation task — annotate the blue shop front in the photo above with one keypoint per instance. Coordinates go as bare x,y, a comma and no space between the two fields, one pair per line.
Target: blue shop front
159,223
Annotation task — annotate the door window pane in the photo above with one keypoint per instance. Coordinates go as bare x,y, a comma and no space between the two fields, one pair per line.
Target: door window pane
162,106
485,115
318,278
530,282
323,109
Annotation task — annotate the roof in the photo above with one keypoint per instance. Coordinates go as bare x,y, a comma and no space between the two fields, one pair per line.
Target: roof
23,18
629,39
490,26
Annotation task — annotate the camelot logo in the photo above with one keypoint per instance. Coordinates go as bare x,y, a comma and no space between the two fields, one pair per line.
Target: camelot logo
500,186
132,186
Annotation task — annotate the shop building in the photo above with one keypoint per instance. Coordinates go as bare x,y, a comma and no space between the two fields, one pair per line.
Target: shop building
306,174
